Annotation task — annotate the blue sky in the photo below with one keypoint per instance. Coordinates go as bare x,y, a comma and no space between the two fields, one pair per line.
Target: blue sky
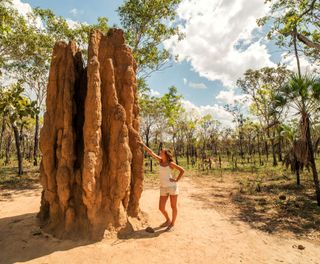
89,11
222,41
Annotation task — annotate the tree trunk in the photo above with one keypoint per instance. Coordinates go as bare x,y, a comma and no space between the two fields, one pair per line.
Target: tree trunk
8,147
36,142
150,159
280,148
18,148
274,157
312,160
92,164
294,37
187,153
3,129
266,148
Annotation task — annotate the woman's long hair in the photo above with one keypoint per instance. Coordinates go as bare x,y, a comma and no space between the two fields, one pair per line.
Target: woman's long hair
168,154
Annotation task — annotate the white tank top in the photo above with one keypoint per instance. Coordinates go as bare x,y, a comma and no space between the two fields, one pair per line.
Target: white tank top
165,175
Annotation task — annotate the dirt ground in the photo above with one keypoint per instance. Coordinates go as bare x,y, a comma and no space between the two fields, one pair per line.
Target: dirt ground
203,234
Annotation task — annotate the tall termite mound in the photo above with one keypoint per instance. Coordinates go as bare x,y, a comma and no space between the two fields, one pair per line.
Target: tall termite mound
92,164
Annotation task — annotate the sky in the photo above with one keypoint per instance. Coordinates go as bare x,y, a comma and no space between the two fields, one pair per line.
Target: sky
222,41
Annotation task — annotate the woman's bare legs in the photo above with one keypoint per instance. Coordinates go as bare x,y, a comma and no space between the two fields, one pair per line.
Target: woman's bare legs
173,202
162,208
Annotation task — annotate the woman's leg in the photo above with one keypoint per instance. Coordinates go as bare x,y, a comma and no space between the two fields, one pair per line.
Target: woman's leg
173,202
162,207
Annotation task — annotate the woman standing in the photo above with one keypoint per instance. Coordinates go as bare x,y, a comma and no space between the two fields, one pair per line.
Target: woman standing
168,185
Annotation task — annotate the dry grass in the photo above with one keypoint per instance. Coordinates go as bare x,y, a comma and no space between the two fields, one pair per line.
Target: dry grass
270,201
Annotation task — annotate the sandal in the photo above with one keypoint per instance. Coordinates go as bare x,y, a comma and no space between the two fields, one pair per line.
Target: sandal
170,228
165,224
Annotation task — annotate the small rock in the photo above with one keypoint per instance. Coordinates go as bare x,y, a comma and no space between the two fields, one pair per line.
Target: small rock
301,247
150,229
36,233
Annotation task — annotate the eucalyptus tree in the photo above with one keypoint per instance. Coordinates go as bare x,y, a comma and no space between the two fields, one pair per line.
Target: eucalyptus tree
293,23
238,118
302,93
172,110
261,86
44,29
148,23
16,37
151,115
17,108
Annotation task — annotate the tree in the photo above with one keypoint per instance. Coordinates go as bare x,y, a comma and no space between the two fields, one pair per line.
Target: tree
16,37
238,119
34,68
147,24
261,86
172,108
16,108
290,133
298,21
151,115
302,94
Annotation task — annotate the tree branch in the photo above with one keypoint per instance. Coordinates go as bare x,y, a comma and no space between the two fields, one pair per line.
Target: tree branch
308,42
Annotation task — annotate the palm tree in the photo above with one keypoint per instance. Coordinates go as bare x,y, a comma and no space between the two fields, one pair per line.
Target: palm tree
301,93
290,160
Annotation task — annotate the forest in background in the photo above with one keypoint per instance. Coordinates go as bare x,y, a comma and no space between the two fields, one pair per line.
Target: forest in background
275,124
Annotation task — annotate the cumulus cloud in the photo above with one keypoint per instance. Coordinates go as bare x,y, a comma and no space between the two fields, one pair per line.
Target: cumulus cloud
229,97
217,111
23,8
220,41
194,85
305,65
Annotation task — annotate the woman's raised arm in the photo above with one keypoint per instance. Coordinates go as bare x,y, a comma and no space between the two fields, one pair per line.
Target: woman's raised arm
150,152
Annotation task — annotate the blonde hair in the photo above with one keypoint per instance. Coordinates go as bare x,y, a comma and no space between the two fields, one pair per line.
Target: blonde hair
168,154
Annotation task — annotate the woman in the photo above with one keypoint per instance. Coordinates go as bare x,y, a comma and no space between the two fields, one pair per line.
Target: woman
168,185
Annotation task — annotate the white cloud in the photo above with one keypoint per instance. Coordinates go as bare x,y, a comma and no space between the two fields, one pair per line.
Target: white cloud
75,12
217,111
229,96
23,8
72,24
305,65
194,85
197,85
154,93
219,38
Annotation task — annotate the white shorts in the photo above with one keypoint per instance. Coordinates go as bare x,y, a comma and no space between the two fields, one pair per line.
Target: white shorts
170,190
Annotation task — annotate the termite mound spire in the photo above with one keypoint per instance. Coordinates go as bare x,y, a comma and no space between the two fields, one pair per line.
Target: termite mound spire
92,165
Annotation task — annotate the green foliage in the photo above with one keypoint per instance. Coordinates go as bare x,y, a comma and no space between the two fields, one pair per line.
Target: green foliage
294,19
262,86
171,104
147,24
15,106
300,92
16,37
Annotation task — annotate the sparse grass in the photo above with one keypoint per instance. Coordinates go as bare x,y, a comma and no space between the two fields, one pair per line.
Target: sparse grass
11,182
265,197
268,200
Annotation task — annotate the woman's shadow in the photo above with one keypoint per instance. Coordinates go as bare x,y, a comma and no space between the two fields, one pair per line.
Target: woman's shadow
148,232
